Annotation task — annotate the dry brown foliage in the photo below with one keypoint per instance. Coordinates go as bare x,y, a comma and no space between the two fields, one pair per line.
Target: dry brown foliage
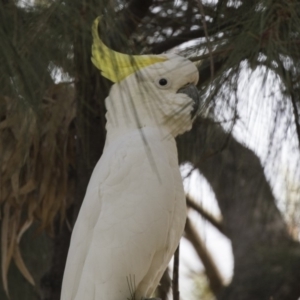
36,155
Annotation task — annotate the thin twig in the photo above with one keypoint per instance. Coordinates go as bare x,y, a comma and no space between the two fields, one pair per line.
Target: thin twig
210,51
296,116
175,280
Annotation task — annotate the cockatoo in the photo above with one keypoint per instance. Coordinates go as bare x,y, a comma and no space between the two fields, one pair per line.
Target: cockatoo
134,210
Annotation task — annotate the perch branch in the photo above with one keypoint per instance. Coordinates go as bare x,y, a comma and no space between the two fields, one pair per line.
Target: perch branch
175,280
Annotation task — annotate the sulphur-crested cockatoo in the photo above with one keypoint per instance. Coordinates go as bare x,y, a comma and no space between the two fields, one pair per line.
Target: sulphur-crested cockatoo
134,210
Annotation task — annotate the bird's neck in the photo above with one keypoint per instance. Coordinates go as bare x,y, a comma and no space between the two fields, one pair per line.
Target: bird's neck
122,132
124,116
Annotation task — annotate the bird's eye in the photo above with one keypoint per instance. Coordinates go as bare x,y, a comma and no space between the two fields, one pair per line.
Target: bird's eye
163,81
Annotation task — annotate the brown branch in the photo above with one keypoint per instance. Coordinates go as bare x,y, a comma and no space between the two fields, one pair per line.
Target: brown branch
205,214
175,280
164,286
296,116
211,270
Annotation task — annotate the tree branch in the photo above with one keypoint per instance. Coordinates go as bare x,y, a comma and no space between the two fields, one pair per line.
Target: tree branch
164,286
175,280
296,116
212,272
205,214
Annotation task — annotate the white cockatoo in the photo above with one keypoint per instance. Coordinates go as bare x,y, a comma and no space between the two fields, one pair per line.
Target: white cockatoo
134,210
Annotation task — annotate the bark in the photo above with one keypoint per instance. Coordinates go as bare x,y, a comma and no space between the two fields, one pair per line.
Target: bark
266,259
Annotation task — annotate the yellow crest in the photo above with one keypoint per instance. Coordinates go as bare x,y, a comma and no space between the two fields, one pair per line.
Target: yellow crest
116,66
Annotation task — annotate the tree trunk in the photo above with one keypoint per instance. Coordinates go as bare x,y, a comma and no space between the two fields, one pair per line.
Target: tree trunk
266,259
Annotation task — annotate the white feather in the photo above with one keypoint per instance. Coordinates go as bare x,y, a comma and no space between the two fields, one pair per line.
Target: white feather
134,211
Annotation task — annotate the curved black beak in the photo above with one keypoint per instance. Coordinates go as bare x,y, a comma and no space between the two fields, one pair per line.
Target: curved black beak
192,91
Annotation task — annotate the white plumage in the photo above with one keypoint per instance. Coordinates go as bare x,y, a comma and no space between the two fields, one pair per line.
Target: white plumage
134,210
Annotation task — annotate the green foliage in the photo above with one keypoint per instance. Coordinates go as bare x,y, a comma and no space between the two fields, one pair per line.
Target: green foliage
201,288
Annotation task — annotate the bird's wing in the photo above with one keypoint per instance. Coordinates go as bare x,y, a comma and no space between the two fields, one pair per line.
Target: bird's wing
123,222
82,231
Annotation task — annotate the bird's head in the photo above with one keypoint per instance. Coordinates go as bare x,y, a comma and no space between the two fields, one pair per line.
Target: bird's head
149,90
